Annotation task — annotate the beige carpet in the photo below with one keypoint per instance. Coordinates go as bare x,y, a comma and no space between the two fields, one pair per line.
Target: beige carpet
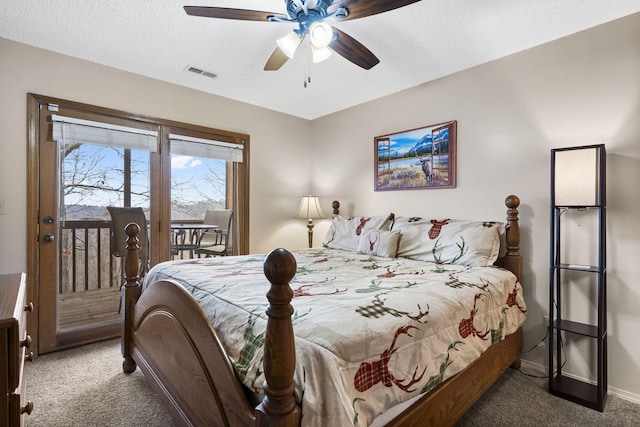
520,400
86,387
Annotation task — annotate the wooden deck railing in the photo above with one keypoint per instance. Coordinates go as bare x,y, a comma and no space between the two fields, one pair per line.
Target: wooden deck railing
85,259
86,263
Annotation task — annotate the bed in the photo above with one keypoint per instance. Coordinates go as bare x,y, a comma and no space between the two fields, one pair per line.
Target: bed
373,343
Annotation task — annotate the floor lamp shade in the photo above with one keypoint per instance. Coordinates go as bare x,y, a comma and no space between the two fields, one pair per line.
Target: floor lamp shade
577,175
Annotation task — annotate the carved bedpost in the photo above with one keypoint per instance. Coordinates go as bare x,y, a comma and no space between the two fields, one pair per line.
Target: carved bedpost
130,294
513,260
335,205
278,408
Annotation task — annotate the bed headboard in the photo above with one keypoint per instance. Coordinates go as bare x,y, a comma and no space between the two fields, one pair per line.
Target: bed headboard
512,260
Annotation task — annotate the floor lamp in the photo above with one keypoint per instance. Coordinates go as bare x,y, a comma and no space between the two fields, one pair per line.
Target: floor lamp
310,209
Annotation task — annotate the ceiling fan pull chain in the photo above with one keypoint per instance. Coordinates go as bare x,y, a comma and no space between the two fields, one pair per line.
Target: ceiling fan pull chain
307,62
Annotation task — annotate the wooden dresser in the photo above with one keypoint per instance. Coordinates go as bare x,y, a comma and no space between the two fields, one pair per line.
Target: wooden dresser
14,349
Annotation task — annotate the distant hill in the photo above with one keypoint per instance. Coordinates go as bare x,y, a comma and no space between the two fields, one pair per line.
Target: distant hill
84,212
179,212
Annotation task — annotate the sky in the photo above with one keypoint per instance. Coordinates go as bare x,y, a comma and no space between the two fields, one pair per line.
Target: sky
94,166
405,141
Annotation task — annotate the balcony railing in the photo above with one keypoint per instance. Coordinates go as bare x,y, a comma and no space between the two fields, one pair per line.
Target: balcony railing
85,261
90,277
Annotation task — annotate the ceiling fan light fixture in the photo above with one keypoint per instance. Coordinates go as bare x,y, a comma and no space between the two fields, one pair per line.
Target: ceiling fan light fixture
320,34
319,54
289,43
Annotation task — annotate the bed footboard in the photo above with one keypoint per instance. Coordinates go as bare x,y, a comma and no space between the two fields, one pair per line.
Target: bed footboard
168,336
279,407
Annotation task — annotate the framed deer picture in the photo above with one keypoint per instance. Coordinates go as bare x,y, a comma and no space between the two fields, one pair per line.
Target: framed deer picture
416,159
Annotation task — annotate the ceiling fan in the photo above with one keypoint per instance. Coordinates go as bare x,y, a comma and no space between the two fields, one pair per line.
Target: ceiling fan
310,15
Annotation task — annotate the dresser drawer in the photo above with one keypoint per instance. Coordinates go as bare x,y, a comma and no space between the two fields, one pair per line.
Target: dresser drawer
15,286
16,346
19,407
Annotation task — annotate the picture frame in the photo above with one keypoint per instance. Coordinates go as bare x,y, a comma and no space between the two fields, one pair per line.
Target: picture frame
416,159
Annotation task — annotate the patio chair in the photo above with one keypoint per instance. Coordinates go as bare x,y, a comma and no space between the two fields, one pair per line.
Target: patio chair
216,241
120,217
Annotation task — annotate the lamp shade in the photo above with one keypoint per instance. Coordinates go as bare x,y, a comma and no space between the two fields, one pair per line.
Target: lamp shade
576,175
310,208
321,34
319,54
289,43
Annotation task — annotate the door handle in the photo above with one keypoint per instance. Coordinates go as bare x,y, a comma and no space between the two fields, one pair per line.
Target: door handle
49,237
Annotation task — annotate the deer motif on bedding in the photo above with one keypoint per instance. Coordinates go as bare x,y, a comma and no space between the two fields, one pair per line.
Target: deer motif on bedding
304,291
379,308
462,251
496,334
252,343
455,282
372,239
512,300
437,379
466,326
436,227
363,222
372,373
375,287
390,274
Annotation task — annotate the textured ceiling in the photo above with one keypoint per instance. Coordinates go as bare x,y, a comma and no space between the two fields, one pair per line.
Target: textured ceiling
415,44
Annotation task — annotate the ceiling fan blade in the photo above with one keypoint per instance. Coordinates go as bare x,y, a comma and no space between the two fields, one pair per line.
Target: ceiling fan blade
362,8
352,50
276,60
230,13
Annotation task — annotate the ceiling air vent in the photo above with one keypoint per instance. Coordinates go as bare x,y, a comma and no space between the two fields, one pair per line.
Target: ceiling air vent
201,72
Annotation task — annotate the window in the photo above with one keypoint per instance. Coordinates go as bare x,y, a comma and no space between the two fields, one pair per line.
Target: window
199,178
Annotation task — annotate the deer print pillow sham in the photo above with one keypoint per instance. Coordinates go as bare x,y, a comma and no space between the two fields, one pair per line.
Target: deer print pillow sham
379,243
449,241
345,233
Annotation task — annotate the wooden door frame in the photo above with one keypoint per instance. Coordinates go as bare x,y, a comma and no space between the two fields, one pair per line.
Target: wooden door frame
161,214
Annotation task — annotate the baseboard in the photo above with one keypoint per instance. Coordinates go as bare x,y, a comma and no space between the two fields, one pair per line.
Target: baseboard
538,369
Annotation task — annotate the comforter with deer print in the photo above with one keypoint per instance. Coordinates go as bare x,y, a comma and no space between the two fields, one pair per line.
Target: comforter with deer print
370,332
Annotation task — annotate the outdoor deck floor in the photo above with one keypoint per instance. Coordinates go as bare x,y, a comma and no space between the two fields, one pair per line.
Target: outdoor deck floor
85,308
77,309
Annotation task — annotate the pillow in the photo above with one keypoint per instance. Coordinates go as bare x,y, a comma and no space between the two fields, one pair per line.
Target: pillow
503,240
379,243
345,233
449,241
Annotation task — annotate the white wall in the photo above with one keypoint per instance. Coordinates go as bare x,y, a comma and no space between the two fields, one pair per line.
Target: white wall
276,139
584,89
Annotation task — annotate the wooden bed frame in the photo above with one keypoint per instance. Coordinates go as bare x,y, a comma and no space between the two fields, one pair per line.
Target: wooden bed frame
167,335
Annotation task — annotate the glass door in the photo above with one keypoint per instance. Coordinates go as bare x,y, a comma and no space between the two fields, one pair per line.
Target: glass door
91,165
83,159
202,179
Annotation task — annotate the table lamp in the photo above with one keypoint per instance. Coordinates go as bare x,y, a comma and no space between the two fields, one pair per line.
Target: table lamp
310,209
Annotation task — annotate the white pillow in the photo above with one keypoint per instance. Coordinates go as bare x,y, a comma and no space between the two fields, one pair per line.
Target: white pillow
345,233
449,241
379,243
